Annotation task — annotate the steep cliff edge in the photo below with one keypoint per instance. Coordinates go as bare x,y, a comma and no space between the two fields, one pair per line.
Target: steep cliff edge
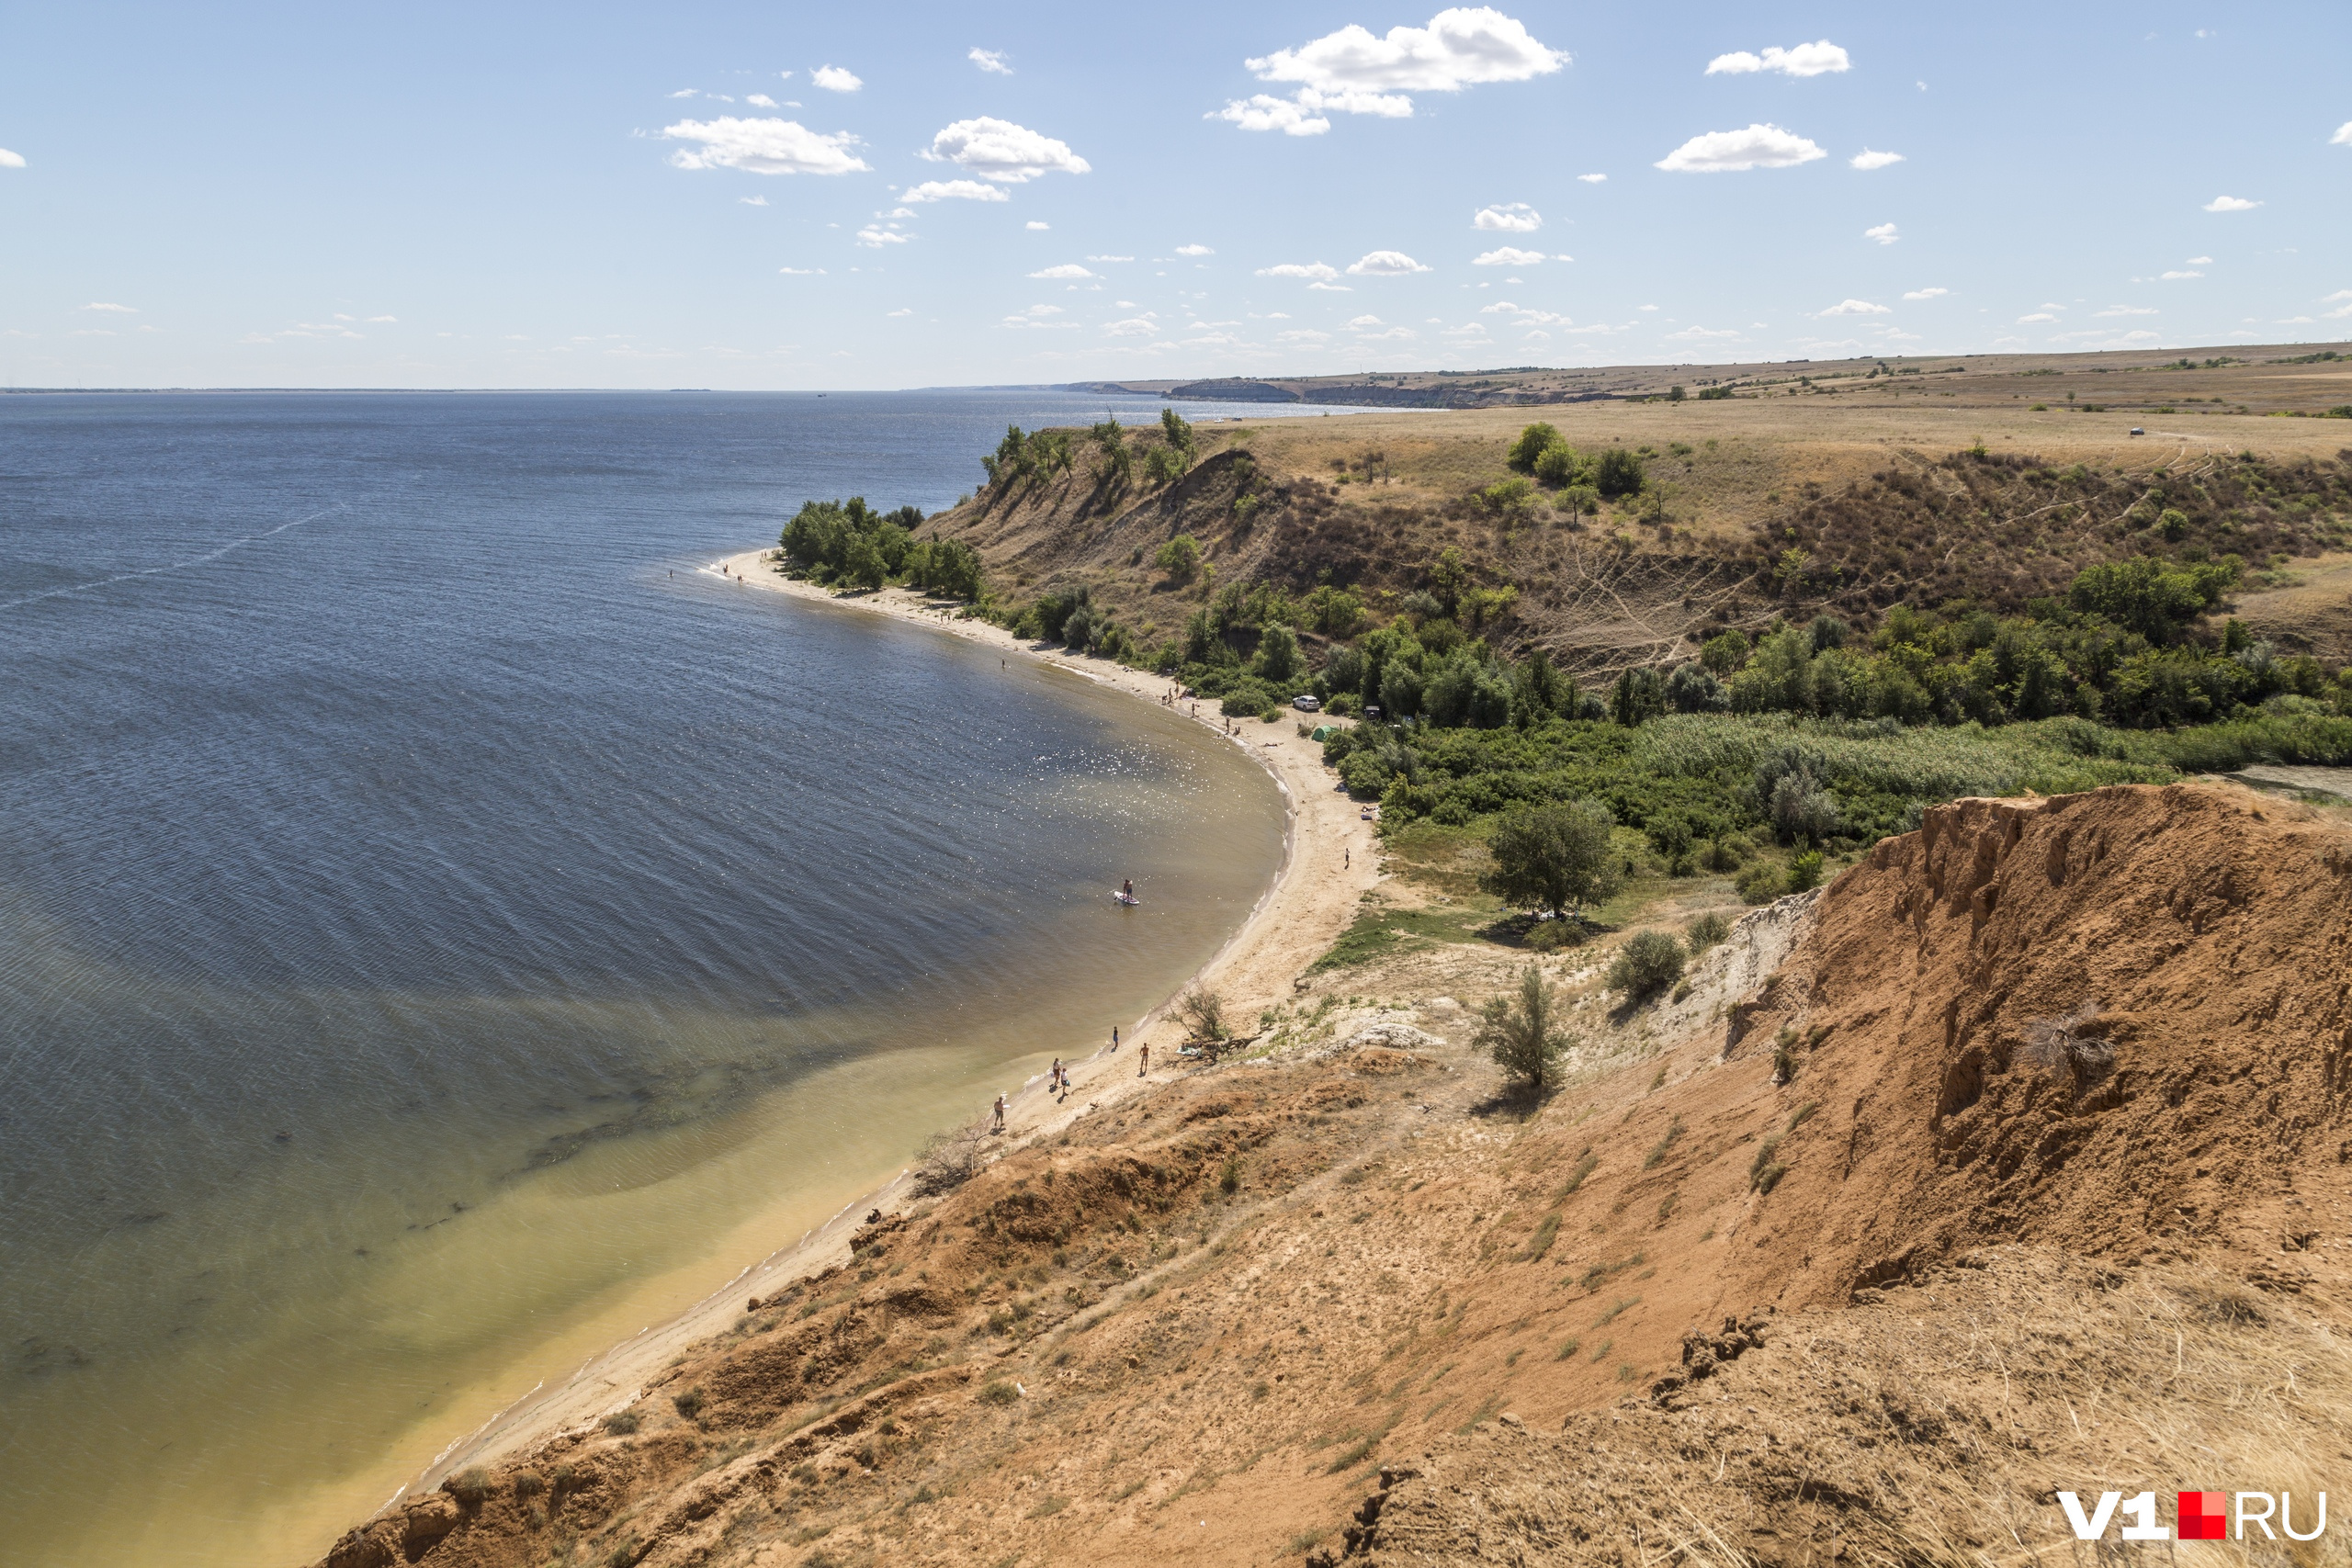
2025,1170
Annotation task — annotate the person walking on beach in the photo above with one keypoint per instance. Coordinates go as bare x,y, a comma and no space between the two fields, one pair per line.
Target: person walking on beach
1054,1079
1114,1040
1000,1113
1144,1067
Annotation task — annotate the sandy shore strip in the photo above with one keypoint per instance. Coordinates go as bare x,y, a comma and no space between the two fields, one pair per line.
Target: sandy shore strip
1329,863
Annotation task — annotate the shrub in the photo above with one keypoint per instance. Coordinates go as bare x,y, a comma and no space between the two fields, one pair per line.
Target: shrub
1229,1177
621,1423
1765,1172
1520,1034
1760,883
1804,871
1692,688
1619,473
1531,445
1646,965
1550,936
1706,932
1559,465
529,1483
947,1160
1802,809
1202,1012
999,1391
689,1403
469,1486
1179,558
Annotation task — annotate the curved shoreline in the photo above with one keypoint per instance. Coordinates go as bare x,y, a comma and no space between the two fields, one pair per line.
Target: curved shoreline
1305,906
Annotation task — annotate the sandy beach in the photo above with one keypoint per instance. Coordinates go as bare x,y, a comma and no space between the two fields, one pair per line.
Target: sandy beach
1329,863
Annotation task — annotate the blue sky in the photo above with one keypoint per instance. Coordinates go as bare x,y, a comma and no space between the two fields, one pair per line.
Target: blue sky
789,196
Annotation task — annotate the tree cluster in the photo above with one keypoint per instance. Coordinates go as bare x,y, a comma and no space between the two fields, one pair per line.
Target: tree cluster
848,544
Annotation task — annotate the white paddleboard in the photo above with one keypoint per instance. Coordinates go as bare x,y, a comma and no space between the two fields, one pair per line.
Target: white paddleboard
1124,898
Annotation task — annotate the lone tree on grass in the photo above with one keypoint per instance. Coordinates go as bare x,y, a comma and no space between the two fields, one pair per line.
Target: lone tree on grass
1520,1034
1552,857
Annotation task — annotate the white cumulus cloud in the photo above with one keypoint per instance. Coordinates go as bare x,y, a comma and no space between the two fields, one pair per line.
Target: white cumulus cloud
2179,274
1194,251
1036,224
2231,203
1883,233
1592,179
834,79
761,100
1524,314
1866,159
901,310
1729,151
1384,263
1702,334
1805,60
1355,70
762,147
954,190
1066,269
1926,293
11,160
1264,113
1318,271
990,61
1508,256
1856,308
1110,258
2037,316
1000,151
1463,46
802,271
878,237
1511,218
111,309
2127,310
1134,326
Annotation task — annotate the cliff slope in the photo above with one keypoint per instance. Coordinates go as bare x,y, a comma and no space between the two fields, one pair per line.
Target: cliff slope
2026,1168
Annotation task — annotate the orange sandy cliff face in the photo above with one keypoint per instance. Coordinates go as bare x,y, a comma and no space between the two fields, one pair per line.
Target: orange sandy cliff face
2025,1171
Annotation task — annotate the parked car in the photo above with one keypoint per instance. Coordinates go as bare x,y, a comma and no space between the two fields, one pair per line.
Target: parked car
2137,431
1305,703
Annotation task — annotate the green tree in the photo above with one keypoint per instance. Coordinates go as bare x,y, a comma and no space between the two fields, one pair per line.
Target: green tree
1640,694
1554,856
1540,690
1530,447
1177,433
1449,575
2151,596
1278,657
1521,1035
1581,500
863,562
1179,558
1560,463
1723,653
1112,437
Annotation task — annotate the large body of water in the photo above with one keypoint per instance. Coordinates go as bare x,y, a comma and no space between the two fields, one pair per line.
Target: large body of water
442,929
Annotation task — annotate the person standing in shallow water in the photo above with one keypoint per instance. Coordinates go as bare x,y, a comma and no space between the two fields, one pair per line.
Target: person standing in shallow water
1000,1113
